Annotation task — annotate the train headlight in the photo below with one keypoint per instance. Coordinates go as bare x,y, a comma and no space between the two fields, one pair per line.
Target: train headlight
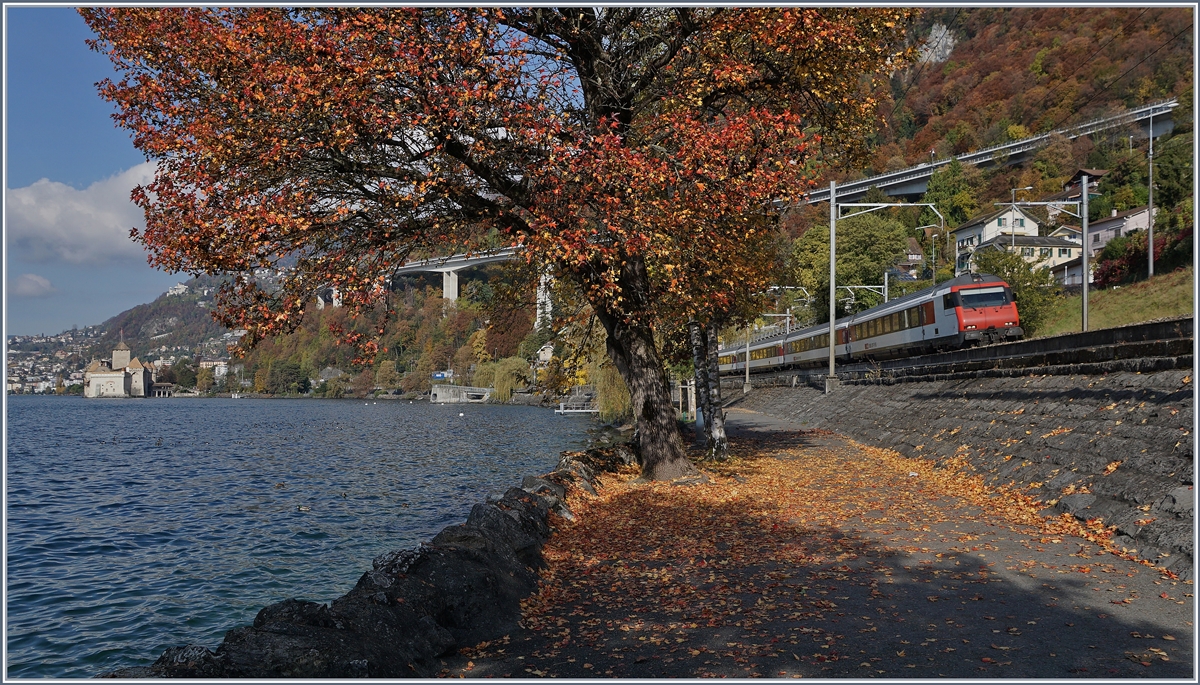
970,328
1009,323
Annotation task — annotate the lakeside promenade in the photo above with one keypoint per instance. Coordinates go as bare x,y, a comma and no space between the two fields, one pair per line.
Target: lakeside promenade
810,555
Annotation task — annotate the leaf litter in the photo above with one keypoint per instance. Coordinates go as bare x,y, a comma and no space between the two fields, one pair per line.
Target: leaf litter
792,561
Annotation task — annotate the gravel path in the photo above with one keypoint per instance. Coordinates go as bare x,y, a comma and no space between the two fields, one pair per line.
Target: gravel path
811,555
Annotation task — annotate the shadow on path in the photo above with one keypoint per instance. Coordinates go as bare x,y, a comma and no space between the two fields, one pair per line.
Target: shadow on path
811,556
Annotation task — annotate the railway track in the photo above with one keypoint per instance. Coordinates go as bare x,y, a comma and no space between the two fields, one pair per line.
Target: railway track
1145,347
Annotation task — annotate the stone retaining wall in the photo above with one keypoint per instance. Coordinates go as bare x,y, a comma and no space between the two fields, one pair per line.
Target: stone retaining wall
1118,447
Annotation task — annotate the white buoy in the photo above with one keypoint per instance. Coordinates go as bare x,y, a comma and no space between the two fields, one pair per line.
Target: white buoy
460,413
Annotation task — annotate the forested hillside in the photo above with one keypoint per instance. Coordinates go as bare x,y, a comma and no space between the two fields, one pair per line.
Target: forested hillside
1004,74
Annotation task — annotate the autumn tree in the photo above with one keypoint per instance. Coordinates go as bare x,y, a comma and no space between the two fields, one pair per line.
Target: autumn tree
386,377
617,145
204,379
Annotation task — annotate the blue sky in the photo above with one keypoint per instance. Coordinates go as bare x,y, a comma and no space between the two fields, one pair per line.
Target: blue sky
68,172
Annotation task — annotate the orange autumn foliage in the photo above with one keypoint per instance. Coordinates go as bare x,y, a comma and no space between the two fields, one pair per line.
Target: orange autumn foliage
635,152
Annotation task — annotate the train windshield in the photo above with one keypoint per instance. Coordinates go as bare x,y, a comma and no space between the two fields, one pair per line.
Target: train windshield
996,296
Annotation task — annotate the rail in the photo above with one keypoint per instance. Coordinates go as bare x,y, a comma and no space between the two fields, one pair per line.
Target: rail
1146,347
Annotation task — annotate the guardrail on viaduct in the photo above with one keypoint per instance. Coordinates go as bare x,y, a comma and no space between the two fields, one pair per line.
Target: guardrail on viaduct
915,179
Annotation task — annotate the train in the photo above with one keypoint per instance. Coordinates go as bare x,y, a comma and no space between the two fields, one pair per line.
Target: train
968,310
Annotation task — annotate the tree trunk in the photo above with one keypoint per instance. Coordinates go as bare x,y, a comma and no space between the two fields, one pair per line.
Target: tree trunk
718,442
631,348
699,339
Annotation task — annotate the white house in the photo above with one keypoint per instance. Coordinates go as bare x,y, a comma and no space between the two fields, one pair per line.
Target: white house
1039,251
1119,224
1010,222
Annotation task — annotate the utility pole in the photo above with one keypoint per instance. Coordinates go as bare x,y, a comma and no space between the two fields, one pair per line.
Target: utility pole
833,212
1150,200
1084,262
934,260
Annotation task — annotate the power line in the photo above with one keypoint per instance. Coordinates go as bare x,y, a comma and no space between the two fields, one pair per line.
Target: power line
1097,94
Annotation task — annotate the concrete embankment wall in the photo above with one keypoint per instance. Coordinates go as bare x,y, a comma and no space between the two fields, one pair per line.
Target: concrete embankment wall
1118,446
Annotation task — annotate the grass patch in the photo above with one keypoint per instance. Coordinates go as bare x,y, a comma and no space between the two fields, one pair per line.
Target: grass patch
1165,295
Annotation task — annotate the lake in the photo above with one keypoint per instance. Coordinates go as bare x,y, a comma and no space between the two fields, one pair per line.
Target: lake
137,525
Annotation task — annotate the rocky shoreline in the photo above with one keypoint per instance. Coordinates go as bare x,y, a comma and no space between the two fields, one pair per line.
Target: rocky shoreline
463,587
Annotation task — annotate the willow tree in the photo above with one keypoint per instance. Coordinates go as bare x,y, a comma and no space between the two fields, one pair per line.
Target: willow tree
327,144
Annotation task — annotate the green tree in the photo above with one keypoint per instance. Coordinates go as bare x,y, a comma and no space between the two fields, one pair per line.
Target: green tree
866,246
286,377
952,190
509,374
1034,290
185,373
1173,171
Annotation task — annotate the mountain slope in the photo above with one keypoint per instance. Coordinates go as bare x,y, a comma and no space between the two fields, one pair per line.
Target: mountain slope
1016,72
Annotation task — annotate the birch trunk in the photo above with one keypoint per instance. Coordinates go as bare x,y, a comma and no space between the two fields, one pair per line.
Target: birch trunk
718,442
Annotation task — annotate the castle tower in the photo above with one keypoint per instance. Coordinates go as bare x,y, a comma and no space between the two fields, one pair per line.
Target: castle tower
120,356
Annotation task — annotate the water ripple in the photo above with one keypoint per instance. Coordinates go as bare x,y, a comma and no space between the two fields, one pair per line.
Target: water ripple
134,526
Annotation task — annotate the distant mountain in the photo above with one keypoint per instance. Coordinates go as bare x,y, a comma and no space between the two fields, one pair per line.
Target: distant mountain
176,323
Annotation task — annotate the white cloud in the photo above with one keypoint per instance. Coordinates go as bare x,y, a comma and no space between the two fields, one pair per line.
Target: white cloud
31,285
50,221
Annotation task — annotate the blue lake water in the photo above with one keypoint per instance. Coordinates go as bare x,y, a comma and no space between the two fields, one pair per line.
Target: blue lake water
137,525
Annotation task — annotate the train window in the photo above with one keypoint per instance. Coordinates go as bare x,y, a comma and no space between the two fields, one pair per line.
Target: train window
948,301
984,297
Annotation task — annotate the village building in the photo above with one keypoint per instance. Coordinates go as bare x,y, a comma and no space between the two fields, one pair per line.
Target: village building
1119,224
1009,223
1040,251
1072,192
119,376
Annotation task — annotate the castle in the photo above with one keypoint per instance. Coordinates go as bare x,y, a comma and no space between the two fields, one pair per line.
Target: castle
120,377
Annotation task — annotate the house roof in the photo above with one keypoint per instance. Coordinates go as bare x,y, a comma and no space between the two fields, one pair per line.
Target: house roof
121,346
1092,174
1069,229
1119,216
1006,240
981,219
1069,264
